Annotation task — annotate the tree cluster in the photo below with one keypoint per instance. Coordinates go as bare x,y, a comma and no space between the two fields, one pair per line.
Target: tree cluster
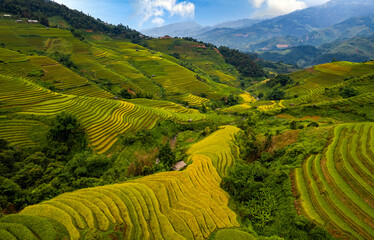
261,185
242,62
61,163
281,80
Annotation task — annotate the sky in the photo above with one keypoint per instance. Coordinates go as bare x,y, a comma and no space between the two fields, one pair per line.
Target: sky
141,14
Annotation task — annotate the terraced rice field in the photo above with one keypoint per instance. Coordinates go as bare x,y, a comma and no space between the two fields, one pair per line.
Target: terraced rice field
172,205
236,108
18,132
158,68
112,65
147,70
247,98
103,119
207,59
329,75
31,37
337,188
362,84
165,105
192,100
63,79
219,147
271,107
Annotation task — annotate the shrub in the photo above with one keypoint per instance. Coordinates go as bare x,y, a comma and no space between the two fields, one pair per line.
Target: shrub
166,155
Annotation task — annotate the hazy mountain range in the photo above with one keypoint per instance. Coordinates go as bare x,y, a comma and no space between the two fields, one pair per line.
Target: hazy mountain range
336,20
338,29
193,29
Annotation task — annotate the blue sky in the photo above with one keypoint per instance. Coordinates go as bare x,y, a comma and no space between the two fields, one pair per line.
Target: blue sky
140,14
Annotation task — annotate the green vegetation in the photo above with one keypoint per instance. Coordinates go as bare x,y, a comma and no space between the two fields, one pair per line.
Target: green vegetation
233,234
176,205
92,120
242,62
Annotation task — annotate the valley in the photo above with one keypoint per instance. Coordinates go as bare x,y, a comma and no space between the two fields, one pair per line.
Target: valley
106,133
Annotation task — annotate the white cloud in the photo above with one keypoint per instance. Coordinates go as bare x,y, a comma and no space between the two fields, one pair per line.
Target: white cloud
315,2
270,8
258,3
158,21
155,10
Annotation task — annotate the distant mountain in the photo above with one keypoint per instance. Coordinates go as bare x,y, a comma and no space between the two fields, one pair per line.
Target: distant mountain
237,24
353,27
358,49
193,29
182,29
296,24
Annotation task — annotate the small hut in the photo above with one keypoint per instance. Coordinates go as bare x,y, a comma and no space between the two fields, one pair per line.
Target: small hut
179,166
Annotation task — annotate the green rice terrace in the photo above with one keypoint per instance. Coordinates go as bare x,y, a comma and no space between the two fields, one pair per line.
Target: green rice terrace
109,134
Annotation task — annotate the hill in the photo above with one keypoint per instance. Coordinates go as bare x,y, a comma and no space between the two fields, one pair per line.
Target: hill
358,49
172,138
145,72
99,75
171,205
297,24
44,10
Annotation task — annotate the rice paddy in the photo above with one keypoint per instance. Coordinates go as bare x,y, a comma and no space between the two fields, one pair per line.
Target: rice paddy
172,205
336,188
103,119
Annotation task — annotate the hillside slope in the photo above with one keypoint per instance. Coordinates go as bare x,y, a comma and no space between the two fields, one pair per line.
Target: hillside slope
337,187
171,205
143,71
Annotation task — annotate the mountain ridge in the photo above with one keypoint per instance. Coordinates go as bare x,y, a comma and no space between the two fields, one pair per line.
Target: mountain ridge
296,24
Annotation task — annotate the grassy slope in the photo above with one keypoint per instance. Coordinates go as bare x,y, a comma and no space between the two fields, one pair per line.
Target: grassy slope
171,205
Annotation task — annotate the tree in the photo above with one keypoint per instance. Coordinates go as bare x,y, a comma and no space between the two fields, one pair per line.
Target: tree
293,125
125,94
67,132
276,94
9,192
203,108
282,79
176,55
231,100
64,59
348,92
29,175
243,62
313,124
166,155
